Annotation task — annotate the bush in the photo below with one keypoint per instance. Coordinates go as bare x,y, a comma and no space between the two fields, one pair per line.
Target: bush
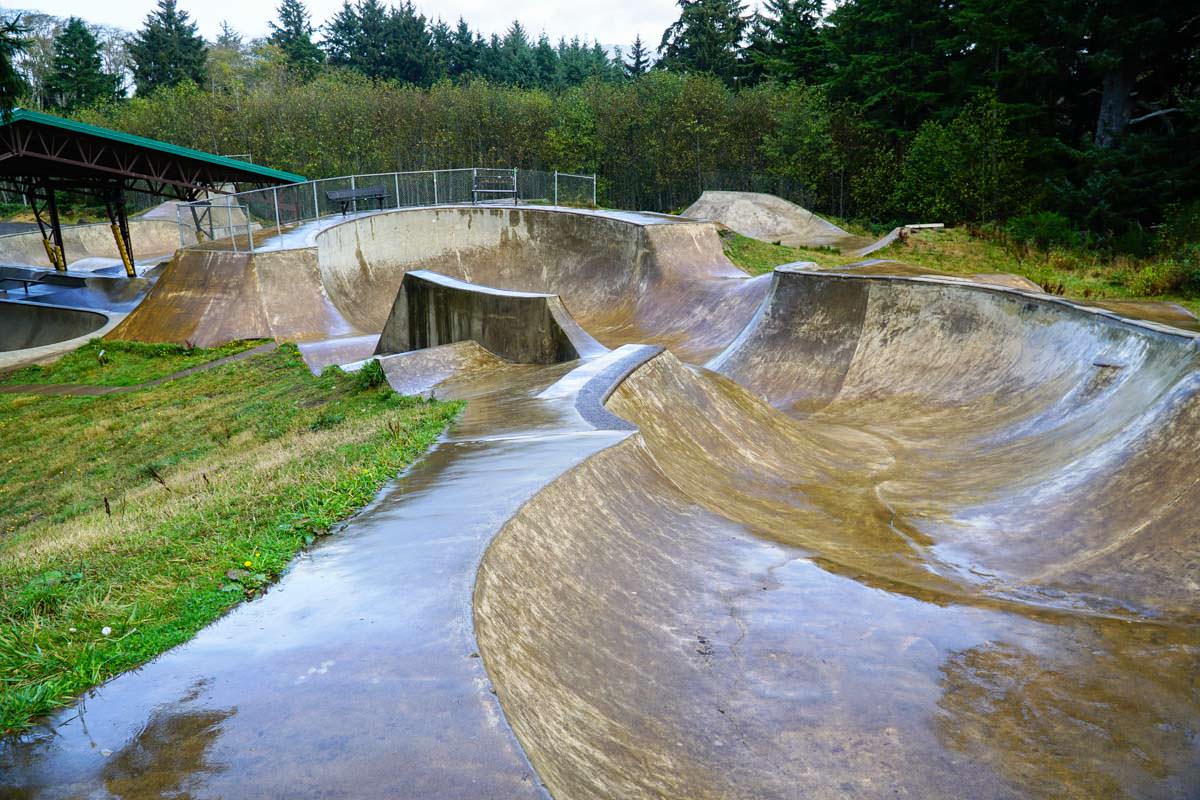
1044,230
370,376
1180,231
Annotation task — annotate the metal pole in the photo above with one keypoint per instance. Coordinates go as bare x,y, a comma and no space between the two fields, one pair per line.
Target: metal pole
179,222
249,229
555,187
396,175
435,197
353,200
593,190
316,203
516,194
275,197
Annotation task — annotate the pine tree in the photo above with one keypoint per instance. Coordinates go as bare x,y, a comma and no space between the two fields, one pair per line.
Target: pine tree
518,65
408,55
786,41
293,36
707,37
465,47
546,60
228,38
342,34
12,85
639,59
77,78
167,50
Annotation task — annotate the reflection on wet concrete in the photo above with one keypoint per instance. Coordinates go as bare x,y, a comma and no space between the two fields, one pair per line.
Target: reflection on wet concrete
357,675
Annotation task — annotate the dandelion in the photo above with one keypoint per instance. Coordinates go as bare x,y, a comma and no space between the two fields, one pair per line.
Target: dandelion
248,564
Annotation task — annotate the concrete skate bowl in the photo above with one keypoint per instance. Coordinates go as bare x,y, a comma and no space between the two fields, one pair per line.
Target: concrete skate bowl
92,246
30,325
625,278
902,536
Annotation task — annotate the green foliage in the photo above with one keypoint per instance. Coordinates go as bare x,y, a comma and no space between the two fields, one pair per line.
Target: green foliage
108,362
102,567
293,36
12,44
77,78
370,375
707,37
1043,230
967,169
167,50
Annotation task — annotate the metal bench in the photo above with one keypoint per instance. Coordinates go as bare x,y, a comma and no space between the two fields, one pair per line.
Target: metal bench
347,197
493,183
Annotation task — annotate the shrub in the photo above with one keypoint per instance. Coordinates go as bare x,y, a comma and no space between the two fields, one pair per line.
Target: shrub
370,376
1044,230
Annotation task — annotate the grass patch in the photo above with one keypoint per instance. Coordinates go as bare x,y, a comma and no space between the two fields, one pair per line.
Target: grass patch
128,522
103,362
757,257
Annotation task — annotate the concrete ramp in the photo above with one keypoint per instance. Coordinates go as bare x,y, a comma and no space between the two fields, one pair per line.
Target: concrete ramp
26,325
772,219
522,327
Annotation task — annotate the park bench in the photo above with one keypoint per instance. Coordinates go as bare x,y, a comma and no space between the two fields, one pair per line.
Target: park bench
346,197
493,183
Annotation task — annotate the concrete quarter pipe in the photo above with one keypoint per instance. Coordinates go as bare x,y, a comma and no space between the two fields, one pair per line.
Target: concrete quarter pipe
848,535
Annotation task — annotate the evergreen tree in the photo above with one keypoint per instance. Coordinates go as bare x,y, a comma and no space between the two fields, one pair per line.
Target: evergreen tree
786,41
546,60
228,38
639,59
707,37
518,64
77,77
167,50
293,36
12,85
465,47
342,33
408,54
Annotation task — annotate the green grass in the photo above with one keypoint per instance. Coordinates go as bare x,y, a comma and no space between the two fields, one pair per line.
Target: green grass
757,257
103,362
151,513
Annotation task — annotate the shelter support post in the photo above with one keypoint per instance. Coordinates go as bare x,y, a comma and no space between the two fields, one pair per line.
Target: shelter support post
119,222
45,211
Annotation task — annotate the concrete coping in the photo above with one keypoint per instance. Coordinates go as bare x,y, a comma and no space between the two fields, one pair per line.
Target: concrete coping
806,268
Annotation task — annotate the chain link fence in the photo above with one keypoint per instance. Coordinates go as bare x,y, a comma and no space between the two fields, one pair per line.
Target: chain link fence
238,220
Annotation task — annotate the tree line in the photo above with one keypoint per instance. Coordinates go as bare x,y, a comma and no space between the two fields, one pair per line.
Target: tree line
882,109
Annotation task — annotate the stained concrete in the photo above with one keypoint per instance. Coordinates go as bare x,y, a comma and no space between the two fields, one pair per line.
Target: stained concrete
522,327
850,535
772,219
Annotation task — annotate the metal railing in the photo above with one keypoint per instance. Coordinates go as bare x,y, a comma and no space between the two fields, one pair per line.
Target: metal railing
234,219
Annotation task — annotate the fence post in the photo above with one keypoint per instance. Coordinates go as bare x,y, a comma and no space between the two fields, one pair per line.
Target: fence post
178,222
555,187
316,203
435,197
516,192
396,175
275,197
593,190
353,200
249,229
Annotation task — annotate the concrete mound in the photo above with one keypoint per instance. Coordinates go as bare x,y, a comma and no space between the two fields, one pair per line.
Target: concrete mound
772,219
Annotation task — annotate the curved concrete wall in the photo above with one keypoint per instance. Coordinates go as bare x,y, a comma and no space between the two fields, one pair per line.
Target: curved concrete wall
149,237
25,325
957,490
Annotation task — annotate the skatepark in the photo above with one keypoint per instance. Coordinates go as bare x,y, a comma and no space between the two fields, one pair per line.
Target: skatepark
861,532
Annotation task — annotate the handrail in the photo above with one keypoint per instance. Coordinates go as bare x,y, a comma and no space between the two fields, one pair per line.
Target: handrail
295,203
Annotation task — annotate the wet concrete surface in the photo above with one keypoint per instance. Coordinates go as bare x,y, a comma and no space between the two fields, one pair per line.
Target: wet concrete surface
904,535
358,674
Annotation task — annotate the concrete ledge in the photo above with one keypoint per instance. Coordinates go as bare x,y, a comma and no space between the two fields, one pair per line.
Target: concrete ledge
522,327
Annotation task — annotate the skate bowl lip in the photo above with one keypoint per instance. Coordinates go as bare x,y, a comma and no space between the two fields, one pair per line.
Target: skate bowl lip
804,268
12,359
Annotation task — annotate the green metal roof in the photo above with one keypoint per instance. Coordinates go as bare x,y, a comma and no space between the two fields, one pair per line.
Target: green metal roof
273,175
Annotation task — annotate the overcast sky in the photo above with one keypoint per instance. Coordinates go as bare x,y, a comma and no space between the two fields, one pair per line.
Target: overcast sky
611,22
